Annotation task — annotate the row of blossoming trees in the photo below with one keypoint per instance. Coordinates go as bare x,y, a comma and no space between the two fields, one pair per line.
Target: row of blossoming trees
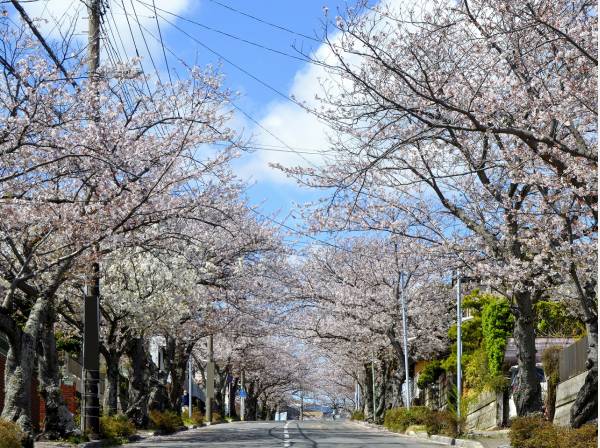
465,133
126,182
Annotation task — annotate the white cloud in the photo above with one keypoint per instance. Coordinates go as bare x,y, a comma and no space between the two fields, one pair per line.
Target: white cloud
289,125
295,126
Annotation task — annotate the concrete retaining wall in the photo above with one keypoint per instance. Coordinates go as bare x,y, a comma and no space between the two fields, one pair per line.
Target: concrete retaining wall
482,414
565,396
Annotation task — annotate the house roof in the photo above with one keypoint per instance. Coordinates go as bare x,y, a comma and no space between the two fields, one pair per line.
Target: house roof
541,344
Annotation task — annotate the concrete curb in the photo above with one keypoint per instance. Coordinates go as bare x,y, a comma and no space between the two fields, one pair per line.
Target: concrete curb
442,440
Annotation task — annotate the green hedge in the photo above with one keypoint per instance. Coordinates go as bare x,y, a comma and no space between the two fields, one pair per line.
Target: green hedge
167,421
435,422
535,432
357,415
116,427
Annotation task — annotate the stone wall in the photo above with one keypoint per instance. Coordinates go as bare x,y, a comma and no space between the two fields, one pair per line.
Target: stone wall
565,396
482,414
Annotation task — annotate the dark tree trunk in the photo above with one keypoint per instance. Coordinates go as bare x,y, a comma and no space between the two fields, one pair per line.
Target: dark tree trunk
233,391
123,393
176,363
528,392
139,383
58,422
111,394
585,407
251,401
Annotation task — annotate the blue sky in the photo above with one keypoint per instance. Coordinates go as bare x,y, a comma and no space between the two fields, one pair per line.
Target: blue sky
287,124
268,118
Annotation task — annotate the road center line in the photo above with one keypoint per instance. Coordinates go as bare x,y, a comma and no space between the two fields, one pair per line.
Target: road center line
286,435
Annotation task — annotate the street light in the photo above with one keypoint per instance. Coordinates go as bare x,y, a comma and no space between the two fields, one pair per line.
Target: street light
405,335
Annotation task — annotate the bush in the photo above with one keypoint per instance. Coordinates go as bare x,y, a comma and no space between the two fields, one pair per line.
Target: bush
10,434
398,419
442,422
197,418
584,437
168,421
430,374
116,427
357,415
216,417
535,432
525,430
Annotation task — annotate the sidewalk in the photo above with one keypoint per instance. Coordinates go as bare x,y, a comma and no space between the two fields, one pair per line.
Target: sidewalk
475,439
492,439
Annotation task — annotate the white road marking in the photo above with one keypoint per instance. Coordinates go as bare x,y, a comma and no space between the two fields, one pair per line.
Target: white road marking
286,435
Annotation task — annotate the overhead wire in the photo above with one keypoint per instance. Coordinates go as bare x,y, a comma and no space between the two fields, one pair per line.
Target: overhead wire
233,64
233,104
263,21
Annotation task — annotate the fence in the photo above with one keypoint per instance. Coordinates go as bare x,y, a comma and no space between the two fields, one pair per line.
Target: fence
572,359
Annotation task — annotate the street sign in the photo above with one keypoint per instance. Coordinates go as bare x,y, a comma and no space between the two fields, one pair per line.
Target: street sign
243,394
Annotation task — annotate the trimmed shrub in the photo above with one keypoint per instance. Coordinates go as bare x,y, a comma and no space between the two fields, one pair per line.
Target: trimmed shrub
357,415
535,432
197,418
442,422
167,421
10,434
584,437
398,419
525,430
116,427
216,417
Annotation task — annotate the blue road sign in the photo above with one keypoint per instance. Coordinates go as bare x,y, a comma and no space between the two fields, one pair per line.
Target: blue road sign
243,394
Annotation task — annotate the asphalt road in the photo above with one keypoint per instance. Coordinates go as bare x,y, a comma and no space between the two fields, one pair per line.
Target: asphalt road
292,434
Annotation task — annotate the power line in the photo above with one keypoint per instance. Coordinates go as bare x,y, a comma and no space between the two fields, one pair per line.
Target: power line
233,64
232,36
162,43
246,114
263,21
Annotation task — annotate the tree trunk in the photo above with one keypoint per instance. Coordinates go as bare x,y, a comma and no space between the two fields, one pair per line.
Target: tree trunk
176,363
20,365
585,407
18,374
232,392
123,393
139,383
58,422
528,391
111,394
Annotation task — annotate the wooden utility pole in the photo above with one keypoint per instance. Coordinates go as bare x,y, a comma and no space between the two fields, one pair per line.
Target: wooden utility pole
91,336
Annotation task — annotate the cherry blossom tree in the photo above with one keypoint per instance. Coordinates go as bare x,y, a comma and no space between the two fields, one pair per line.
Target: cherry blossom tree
471,126
86,170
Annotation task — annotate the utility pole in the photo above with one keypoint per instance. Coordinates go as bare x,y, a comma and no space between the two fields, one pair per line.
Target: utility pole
91,332
302,406
405,336
242,397
210,381
373,381
190,387
458,344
